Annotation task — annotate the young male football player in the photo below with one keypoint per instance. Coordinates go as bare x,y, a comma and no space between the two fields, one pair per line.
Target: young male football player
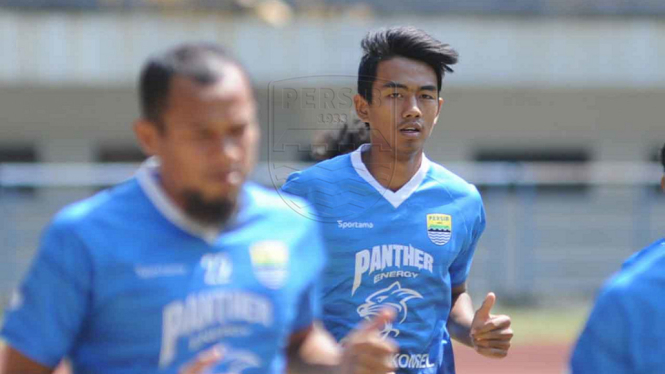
401,230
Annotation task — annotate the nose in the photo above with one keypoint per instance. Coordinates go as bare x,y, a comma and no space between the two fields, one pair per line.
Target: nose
411,109
227,149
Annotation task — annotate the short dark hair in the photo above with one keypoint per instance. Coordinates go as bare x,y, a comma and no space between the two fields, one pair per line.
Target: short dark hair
190,60
341,141
408,42
662,157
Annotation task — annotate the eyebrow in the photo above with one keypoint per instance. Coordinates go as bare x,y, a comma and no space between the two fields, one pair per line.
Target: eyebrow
428,87
395,85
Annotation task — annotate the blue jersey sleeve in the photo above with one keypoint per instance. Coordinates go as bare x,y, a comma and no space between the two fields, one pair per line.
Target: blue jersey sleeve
308,309
51,303
303,186
602,346
294,186
459,269
313,260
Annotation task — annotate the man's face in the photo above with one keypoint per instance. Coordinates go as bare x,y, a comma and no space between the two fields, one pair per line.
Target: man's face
208,145
405,105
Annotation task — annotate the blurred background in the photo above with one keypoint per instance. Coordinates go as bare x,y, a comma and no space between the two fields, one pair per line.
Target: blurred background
555,111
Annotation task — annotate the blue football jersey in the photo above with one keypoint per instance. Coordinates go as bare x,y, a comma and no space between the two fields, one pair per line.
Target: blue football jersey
655,247
405,249
125,282
624,333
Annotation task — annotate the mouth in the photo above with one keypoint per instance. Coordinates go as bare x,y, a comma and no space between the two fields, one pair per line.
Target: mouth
411,129
232,177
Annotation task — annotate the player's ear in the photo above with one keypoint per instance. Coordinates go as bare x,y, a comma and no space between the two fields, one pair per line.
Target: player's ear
438,112
362,107
147,134
662,183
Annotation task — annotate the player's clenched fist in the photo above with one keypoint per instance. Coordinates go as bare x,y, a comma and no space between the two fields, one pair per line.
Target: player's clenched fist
204,361
366,352
491,334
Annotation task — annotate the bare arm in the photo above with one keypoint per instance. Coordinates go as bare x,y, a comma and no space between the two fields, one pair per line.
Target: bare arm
313,350
461,316
14,362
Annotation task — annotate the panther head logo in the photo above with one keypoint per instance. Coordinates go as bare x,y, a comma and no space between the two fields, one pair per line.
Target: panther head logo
394,296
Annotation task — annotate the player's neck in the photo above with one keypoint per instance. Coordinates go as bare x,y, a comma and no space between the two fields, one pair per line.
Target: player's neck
171,193
390,170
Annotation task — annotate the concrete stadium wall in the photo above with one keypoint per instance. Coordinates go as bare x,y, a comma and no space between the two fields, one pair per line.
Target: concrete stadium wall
70,124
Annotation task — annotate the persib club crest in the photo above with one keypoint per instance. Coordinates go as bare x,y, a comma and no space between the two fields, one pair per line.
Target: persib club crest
439,228
270,259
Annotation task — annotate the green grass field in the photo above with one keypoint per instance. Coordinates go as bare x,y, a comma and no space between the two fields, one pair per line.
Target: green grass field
557,326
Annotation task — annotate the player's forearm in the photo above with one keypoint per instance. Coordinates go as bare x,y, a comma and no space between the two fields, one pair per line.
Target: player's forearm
308,365
364,350
460,319
15,362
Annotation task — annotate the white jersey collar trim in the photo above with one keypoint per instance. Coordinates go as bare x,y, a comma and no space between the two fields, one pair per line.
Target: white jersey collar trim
394,198
147,176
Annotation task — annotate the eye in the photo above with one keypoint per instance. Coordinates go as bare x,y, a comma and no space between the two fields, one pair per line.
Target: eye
395,95
427,96
237,130
381,298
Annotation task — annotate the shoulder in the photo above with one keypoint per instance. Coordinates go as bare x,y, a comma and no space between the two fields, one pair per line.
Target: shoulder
648,272
635,286
323,171
118,200
73,235
287,218
264,197
456,186
653,249
273,204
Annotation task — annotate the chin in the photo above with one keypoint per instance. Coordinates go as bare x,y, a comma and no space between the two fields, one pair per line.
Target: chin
410,147
221,192
211,210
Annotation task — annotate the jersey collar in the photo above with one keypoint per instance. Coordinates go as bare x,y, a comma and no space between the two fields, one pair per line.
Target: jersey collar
148,178
394,198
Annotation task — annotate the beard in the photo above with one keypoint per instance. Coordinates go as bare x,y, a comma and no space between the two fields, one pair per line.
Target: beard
213,212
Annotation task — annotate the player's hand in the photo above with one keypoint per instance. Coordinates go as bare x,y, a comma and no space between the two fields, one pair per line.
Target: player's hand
365,351
491,334
204,361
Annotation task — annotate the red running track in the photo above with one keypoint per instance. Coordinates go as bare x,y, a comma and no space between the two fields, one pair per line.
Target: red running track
522,359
